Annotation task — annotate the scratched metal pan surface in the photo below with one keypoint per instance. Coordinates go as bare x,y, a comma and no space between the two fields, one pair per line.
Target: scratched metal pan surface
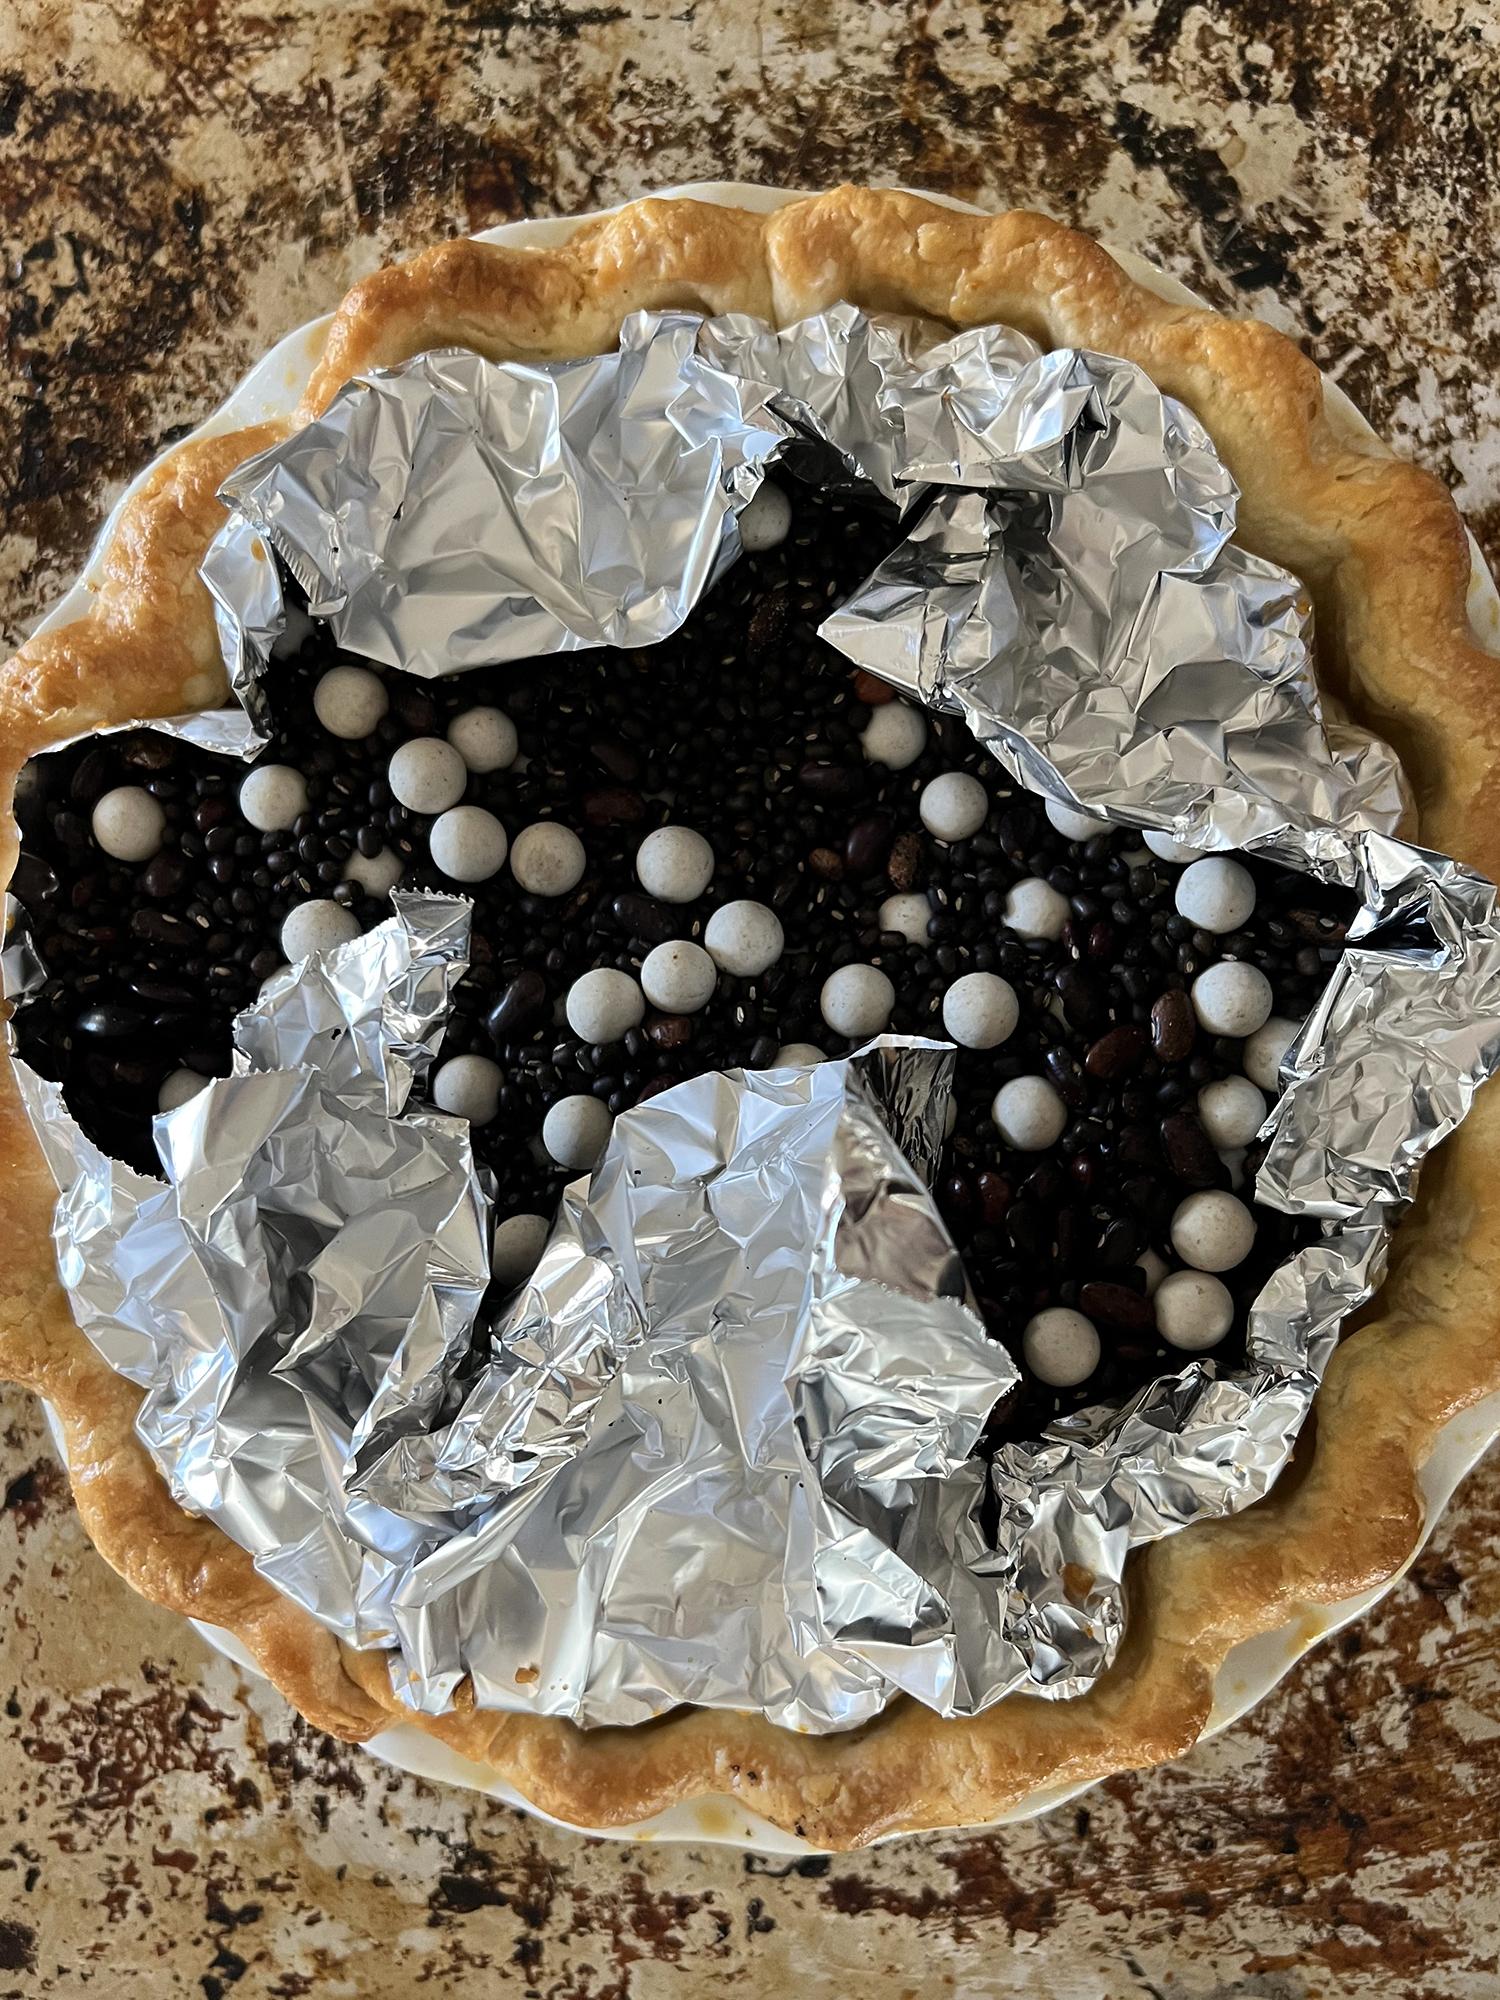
272,389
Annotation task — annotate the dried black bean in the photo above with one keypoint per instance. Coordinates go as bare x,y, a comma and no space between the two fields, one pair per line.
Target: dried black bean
519,1005
1067,1077
642,916
1082,998
110,1023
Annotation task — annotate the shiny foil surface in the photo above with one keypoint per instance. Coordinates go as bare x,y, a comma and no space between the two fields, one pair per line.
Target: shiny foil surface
720,1447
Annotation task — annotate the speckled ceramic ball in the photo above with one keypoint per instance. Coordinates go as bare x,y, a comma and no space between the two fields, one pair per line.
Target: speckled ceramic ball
1216,894
547,858
1034,909
376,874
1193,1310
468,1087
798,1055
674,864
907,915
427,775
1231,1111
1264,1051
766,521
856,1001
350,702
953,806
1073,824
128,823
980,1010
1060,1347
1165,848
1029,1114
1231,998
604,1005
575,1132
744,939
485,738
679,977
468,844
1213,1231
316,925
895,735
273,796
516,1248
178,1086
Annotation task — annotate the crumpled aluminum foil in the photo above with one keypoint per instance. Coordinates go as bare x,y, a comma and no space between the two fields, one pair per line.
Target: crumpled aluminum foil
720,1447
539,508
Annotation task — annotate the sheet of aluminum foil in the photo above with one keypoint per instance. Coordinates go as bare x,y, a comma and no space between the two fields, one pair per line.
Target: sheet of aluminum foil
542,508
720,1447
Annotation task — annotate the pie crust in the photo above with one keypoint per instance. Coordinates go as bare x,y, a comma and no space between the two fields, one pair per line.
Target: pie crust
1384,553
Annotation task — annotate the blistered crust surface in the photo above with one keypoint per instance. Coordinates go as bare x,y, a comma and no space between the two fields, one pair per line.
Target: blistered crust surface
1383,549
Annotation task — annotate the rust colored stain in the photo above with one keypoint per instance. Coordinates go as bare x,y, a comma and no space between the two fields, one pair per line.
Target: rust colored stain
28,1496
17,1946
106,1750
182,181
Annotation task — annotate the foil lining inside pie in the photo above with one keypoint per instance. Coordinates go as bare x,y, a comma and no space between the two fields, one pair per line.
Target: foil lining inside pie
721,1448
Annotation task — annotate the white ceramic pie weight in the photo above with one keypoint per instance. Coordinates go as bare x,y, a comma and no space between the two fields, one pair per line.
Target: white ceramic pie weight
718,1449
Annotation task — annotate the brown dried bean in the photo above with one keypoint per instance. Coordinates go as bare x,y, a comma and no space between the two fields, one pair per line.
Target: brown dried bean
1083,1002
994,1197
769,621
1172,1026
905,862
1117,1306
955,1196
1190,1152
830,781
613,805
617,758
1137,1149
1116,1054
867,844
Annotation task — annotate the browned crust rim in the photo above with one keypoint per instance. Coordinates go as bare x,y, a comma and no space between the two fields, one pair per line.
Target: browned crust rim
1384,552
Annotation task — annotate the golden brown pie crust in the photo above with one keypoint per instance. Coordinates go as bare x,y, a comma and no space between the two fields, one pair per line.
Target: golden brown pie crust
1383,551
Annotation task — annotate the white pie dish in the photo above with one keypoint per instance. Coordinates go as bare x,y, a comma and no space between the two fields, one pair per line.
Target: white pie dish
272,390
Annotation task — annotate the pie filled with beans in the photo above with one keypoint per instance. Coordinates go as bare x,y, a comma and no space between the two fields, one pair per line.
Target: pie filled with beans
732,850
